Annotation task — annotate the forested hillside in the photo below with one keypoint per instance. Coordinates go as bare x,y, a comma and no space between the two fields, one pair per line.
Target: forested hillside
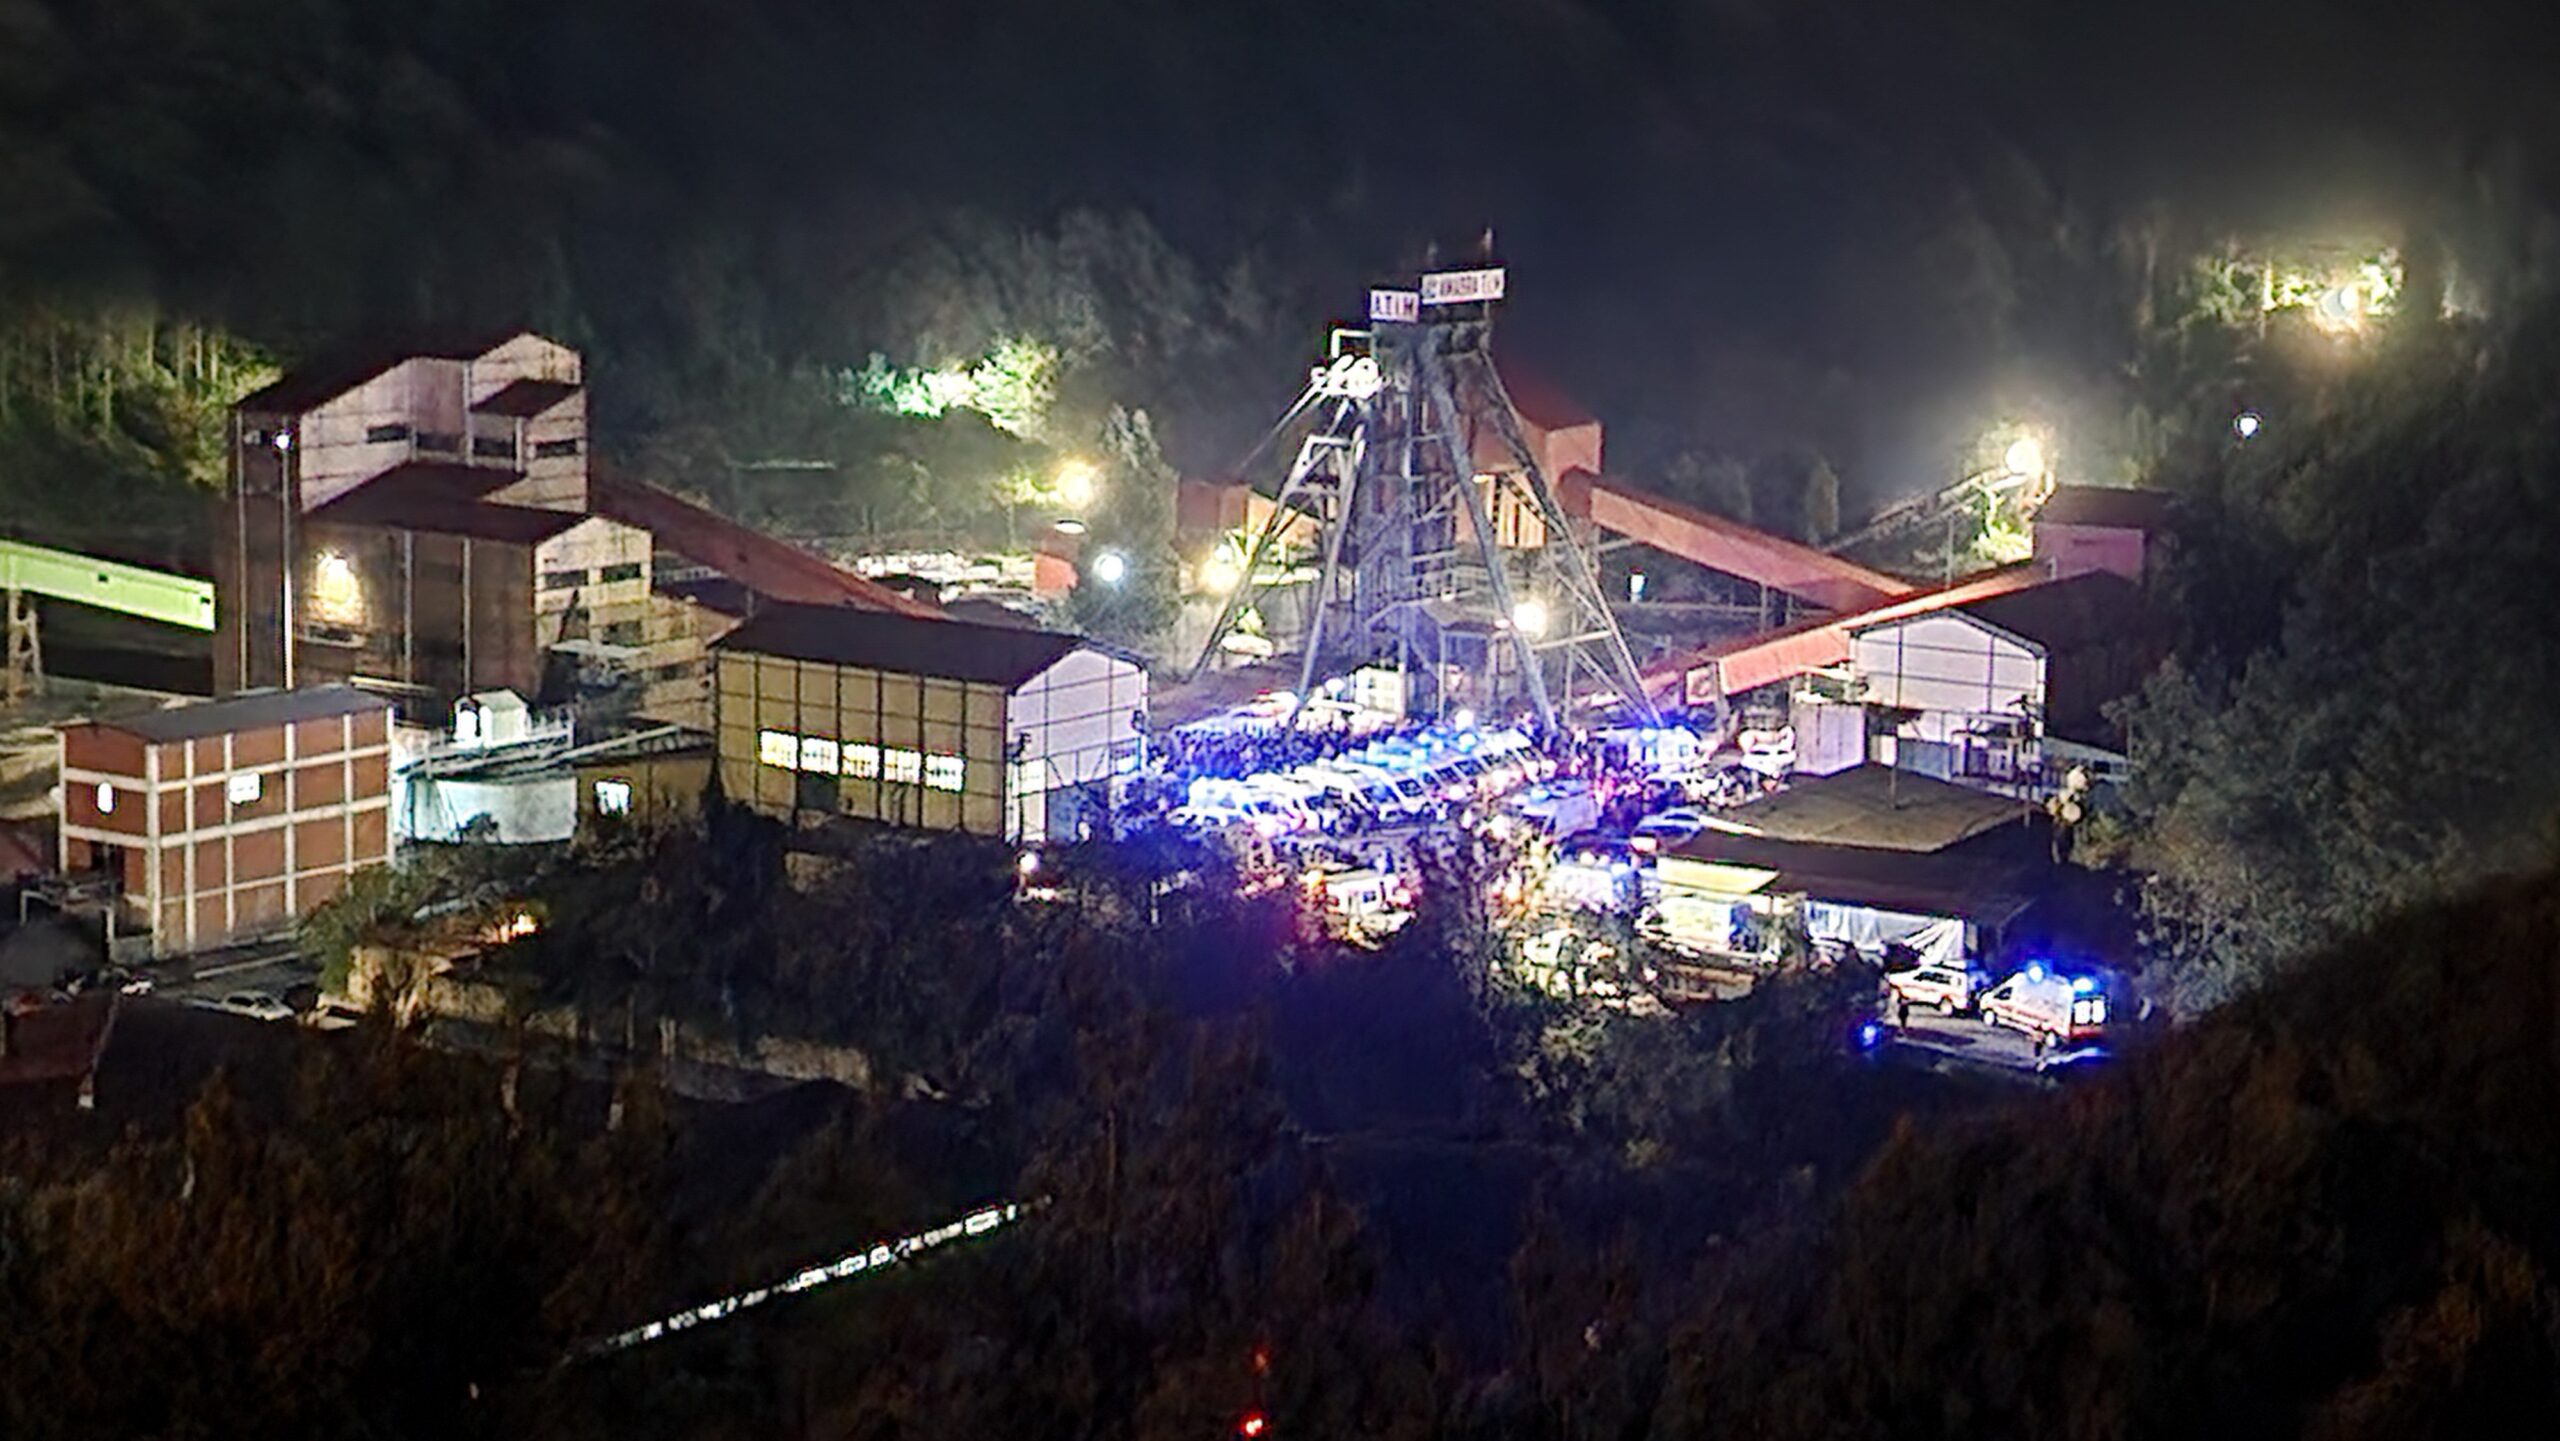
2324,1212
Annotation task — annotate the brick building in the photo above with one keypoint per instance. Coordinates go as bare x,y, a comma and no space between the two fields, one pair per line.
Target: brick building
228,819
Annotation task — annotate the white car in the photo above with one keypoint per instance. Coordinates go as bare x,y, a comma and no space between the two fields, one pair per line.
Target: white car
256,1005
333,1014
1948,989
1674,825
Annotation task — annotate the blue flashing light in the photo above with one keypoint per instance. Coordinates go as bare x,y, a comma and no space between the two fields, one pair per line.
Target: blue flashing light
2083,985
2035,970
1870,1035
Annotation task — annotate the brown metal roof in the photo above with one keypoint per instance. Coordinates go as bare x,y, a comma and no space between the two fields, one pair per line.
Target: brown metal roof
1875,807
253,710
525,398
2093,608
2107,506
443,498
947,649
1974,884
774,570
332,373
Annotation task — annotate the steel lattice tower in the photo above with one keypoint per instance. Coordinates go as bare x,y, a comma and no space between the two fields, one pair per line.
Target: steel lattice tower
1413,572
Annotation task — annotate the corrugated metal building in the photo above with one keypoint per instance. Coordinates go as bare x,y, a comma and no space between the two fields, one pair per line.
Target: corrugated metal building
231,818
942,724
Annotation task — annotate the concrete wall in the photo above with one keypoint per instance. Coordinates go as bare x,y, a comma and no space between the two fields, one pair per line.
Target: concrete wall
2069,550
526,809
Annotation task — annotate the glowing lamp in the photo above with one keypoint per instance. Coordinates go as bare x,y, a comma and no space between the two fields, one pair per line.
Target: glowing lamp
1111,567
1076,480
1529,617
2025,456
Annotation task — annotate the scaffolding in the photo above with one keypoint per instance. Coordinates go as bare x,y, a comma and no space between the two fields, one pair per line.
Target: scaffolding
1413,571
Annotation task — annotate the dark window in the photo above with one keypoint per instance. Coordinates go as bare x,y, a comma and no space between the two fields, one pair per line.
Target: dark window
563,579
501,447
628,570
396,430
551,449
814,791
622,632
439,441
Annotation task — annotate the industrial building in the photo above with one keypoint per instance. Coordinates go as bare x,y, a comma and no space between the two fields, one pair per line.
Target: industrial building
426,521
1863,858
1980,691
942,724
2081,528
228,819
416,519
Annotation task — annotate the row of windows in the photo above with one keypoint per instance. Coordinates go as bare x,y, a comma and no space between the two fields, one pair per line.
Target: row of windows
501,447
569,579
822,756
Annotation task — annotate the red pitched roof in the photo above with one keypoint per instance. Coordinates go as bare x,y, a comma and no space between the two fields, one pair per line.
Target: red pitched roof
775,570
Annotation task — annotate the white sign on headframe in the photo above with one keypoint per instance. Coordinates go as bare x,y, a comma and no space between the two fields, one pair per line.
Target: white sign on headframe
1458,287
1393,305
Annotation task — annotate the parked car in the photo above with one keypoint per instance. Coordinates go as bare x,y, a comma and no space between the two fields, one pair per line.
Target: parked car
1669,828
333,1014
256,1005
1948,989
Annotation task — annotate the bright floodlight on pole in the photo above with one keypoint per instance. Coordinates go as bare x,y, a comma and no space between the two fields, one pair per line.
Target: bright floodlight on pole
1111,567
2025,456
2245,424
1529,616
1220,573
1076,481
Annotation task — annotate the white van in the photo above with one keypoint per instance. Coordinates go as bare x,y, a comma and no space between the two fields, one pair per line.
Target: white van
2047,1005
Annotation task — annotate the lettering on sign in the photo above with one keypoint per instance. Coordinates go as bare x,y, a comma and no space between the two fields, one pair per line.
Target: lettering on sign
1458,287
1391,305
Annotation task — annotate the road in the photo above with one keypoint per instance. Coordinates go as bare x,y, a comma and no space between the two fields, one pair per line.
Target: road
1969,1041
271,967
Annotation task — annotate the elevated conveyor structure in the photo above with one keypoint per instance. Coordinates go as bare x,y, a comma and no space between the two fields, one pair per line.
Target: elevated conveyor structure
35,570
1727,546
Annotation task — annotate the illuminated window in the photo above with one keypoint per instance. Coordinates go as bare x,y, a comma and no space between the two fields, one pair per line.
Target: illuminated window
818,754
336,595
613,798
862,762
106,798
898,764
943,773
778,748
244,789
